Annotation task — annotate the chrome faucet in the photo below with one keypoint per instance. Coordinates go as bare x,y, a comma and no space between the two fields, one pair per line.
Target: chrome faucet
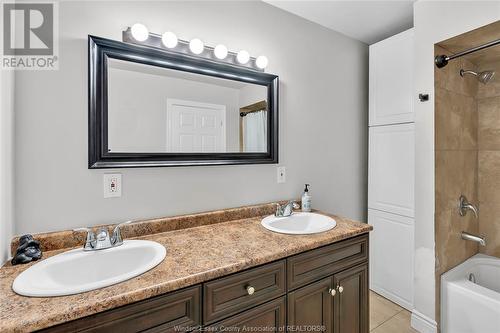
286,210
464,205
102,240
474,238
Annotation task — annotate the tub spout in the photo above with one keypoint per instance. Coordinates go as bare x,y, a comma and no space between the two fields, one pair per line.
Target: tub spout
474,238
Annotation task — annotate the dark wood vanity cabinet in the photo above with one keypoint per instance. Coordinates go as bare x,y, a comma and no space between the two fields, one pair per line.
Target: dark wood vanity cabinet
351,305
312,307
337,304
268,317
164,313
321,290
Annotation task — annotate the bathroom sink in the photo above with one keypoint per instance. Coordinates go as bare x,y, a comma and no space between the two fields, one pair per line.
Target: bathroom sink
77,271
299,223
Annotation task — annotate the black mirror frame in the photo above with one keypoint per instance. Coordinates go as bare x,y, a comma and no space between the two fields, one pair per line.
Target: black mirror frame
101,49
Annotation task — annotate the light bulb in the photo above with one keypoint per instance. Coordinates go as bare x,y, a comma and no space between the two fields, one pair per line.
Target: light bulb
196,46
139,32
243,57
220,51
169,39
261,62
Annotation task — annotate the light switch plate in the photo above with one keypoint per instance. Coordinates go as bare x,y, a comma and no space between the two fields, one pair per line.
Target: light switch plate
281,174
112,185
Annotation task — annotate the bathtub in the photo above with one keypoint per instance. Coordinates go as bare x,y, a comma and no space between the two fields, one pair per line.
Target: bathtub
468,307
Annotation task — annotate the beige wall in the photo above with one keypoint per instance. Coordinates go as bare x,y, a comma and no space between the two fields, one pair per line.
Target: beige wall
434,22
488,104
467,143
456,164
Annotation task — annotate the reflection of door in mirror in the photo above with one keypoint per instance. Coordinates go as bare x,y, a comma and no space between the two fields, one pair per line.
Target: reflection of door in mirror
253,127
195,127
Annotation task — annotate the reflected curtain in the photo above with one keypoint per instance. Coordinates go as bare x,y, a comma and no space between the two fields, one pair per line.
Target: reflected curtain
255,132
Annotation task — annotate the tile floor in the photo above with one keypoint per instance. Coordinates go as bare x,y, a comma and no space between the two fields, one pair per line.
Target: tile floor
387,317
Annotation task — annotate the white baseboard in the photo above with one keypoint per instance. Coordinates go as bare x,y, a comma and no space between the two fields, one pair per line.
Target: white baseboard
422,323
392,297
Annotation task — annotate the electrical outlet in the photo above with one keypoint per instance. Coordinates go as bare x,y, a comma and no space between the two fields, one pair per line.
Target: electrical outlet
112,185
281,174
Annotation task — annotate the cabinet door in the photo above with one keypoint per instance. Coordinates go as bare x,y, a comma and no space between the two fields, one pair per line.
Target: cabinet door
311,307
391,80
268,317
351,301
391,175
391,256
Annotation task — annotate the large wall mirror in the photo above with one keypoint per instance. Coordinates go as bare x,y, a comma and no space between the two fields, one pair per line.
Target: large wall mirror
151,107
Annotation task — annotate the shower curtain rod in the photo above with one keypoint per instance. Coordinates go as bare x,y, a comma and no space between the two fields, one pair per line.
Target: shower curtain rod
442,60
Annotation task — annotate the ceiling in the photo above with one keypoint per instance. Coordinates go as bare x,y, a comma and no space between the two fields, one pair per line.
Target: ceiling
366,21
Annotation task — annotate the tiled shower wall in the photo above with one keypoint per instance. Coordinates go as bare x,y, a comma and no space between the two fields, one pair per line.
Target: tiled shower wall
488,104
456,164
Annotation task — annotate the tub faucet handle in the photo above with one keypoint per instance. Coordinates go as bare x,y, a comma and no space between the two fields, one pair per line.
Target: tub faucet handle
464,205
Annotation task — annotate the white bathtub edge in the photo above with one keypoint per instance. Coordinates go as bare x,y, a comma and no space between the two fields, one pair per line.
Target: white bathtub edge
422,323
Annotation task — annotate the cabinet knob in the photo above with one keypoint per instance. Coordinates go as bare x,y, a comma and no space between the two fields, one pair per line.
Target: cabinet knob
341,289
332,291
250,290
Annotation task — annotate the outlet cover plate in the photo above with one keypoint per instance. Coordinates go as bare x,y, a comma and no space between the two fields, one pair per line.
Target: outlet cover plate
112,183
281,174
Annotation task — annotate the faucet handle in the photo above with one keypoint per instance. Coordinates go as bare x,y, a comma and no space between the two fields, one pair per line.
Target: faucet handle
464,205
116,237
90,241
279,210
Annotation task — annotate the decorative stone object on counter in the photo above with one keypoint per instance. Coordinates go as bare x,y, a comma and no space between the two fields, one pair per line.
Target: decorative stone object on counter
27,251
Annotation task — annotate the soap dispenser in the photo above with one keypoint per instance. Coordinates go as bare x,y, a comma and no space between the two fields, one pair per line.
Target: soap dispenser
306,200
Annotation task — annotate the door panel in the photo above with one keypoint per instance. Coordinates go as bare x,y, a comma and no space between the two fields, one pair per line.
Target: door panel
351,301
391,80
391,256
311,305
391,179
195,127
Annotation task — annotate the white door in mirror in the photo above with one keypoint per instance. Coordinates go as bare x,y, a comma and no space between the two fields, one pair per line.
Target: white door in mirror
77,271
299,223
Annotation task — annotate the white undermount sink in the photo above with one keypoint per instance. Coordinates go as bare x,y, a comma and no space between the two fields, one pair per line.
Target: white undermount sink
299,223
77,271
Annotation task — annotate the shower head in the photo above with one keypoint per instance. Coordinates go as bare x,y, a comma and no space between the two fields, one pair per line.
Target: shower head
483,77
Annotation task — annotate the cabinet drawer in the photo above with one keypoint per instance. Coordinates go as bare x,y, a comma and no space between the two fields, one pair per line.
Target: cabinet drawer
159,314
227,296
310,266
268,317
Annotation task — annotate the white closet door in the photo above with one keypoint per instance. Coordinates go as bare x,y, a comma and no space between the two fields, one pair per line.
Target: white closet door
391,256
391,175
391,80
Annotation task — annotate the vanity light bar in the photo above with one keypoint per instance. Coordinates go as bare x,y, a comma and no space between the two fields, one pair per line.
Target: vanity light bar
139,34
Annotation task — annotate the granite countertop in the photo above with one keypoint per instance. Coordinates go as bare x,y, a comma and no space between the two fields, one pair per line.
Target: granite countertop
194,255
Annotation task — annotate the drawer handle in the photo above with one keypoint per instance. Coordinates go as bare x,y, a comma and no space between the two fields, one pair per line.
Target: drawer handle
332,291
250,290
341,289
